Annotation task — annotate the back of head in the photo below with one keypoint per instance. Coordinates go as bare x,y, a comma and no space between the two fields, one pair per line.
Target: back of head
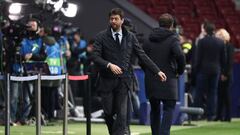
209,28
223,34
48,30
166,21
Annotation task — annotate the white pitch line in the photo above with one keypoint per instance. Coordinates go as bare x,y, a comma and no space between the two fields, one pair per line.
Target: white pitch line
58,132
135,133
49,132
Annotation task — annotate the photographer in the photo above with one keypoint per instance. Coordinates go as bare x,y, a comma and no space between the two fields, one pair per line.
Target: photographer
50,88
31,49
63,42
76,64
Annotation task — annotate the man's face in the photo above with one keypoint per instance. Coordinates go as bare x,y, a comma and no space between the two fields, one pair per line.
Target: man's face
42,32
76,38
33,26
116,22
203,30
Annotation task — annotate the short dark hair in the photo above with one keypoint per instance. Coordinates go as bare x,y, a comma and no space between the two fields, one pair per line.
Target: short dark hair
166,20
34,20
116,11
48,30
209,28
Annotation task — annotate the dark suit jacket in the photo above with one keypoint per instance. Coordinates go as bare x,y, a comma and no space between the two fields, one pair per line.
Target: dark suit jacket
107,50
163,47
210,58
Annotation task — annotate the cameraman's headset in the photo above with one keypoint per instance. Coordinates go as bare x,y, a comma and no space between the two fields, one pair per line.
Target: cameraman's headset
38,23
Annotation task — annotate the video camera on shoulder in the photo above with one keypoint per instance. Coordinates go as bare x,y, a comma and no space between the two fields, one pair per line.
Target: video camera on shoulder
15,31
13,34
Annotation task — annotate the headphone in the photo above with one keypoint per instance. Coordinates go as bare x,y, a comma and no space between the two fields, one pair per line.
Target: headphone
38,23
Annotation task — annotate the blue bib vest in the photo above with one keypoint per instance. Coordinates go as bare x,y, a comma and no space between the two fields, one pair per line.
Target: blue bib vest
54,59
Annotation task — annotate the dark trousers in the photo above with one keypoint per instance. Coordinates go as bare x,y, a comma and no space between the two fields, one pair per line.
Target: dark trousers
24,92
77,88
114,94
49,97
132,109
223,111
161,121
129,114
207,83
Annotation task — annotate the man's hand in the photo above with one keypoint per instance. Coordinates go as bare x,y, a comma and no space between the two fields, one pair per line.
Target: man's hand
162,76
115,69
223,78
68,54
28,56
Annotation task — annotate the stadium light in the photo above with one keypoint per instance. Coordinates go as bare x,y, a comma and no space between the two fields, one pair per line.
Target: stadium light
70,10
56,4
15,17
15,8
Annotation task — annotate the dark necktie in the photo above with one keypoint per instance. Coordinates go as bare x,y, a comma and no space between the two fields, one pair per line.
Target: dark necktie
117,38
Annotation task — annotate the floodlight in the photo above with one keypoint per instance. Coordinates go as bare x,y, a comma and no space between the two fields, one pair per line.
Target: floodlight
71,10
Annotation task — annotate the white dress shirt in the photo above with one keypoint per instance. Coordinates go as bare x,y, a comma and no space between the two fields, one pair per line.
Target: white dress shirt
119,36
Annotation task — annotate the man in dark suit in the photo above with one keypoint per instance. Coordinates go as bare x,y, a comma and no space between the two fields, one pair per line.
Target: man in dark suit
113,50
163,47
210,60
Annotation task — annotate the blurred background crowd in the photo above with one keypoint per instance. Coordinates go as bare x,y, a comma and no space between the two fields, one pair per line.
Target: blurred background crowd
48,36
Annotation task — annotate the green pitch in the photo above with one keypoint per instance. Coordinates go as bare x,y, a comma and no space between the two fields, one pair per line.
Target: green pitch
200,128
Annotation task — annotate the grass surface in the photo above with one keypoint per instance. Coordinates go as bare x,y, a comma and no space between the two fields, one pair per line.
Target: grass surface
207,128
201,128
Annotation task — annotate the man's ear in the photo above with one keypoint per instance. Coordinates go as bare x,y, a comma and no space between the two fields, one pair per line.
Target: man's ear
171,27
122,20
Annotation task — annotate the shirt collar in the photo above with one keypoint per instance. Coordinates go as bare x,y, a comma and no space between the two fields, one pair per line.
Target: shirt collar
119,32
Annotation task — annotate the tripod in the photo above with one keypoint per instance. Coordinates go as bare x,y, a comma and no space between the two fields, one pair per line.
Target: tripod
29,110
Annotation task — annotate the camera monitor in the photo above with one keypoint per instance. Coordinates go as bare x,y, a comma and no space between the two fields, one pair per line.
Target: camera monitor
31,68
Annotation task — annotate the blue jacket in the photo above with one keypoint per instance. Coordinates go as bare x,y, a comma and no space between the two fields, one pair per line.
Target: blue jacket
34,46
31,46
54,58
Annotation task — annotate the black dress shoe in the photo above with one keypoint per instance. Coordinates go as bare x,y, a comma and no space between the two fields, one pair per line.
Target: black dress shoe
211,118
217,119
227,120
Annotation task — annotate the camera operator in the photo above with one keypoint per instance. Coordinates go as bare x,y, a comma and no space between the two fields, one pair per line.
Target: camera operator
31,49
76,64
49,91
63,42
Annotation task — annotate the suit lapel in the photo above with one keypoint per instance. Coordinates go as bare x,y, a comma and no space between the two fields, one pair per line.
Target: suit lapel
123,43
111,40
114,44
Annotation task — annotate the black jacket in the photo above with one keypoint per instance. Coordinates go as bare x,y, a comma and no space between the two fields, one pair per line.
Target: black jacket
163,47
210,57
107,50
229,52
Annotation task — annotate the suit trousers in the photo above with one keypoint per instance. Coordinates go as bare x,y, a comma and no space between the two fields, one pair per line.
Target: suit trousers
224,103
207,83
114,94
161,121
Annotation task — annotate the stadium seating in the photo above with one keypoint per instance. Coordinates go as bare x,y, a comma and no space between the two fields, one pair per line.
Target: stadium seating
190,14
